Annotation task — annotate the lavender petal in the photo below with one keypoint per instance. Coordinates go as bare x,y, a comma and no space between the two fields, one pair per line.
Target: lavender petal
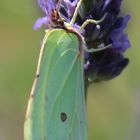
40,22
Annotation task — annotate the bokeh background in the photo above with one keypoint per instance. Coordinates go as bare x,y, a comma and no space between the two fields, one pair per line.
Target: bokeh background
113,107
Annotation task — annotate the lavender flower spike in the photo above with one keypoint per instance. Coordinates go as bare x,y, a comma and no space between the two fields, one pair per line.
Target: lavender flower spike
109,63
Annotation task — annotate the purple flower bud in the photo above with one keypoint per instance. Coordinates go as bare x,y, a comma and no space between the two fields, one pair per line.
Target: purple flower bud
119,39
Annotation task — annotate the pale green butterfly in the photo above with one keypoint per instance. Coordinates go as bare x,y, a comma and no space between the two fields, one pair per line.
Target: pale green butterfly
56,108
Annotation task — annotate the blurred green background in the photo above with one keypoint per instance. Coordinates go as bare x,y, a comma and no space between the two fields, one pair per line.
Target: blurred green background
113,107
